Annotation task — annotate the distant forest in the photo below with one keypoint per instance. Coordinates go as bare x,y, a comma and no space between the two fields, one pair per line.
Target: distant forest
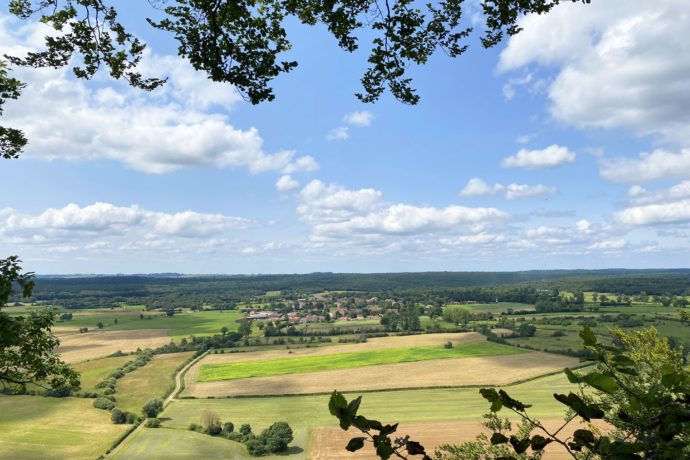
167,290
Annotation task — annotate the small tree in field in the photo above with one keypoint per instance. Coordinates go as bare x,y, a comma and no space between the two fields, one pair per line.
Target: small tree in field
153,407
211,422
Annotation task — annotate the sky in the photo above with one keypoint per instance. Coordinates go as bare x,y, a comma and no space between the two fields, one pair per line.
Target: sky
566,146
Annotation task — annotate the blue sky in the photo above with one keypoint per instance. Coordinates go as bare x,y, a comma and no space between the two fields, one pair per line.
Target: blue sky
566,146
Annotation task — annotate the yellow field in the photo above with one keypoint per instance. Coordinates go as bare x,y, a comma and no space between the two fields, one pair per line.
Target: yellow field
328,443
77,347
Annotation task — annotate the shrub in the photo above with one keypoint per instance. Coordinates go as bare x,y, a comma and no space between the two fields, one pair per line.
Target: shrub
131,418
153,423
276,437
152,408
117,416
103,403
228,427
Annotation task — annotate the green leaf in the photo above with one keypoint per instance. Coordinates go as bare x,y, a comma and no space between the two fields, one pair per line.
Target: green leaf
572,376
355,444
337,406
520,445
601,382
539,442
415,448
388,429
353,407
588,337
584,410
384,449
498,438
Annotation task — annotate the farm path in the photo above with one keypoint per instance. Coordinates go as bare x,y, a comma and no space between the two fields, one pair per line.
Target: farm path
171,397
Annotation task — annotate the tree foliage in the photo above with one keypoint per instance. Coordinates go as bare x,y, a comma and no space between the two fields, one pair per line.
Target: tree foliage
639,386
244,42
27,346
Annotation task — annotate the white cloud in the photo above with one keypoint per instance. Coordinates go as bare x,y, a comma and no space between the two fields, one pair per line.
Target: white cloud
286,183
341,133
477,187
657,165
92,223
617,64
652,214
361,118
327,203
159,132
607,245
639,195
522,191
550,157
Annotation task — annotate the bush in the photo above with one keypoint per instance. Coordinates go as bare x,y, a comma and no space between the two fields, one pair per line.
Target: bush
195,427
117,416
131,418
153,423
152,408
103,403
228,427
448,345
256,448
276,437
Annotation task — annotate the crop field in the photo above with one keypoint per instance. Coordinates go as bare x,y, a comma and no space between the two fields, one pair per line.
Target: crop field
77,347
328,443
307,414
34,427
92,372
155,379
471,371
495,308
265,368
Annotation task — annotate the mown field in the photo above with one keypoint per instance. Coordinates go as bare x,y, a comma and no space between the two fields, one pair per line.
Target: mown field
94,371
264,368
33,427
178,326
306,413
155,379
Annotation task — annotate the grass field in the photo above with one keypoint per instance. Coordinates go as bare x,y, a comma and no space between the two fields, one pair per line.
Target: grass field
304,413
265,368
163,444
154,379
180,325
495,308
33,427
92,372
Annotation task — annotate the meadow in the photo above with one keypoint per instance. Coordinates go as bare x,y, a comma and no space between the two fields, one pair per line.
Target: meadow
306,413
34,427
265,368
155,379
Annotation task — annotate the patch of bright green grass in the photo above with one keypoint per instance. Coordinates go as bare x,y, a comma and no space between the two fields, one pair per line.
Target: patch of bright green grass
94,371
283,366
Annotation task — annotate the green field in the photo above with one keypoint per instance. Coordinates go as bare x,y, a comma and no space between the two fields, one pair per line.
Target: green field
283,366
92,372
155,379
163,444
181,325
33,427
306,412
495,308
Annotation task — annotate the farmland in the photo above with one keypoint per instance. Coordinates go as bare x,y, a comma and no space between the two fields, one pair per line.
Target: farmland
425,376
264,368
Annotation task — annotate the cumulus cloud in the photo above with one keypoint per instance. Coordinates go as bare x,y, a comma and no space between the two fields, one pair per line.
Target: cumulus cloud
341,133
647,167
92,223
651,214
550,157
361,118
477,187
338,213
286,183
607,245
617,64
159,132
